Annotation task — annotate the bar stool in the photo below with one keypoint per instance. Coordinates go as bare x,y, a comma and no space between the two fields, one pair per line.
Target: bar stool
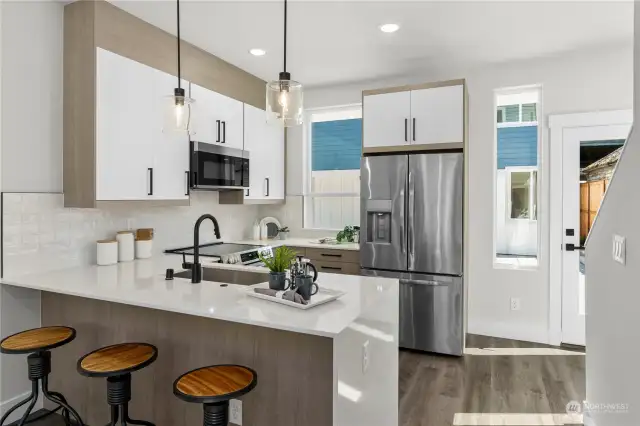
38,342
213,387
116,363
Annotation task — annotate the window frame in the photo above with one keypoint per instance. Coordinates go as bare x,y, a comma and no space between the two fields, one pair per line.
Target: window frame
521,169
521,93
334,113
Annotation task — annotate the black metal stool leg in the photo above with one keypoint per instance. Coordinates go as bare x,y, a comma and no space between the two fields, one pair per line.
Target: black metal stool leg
216,414
15,407
62,402
65,413
129,420
34,392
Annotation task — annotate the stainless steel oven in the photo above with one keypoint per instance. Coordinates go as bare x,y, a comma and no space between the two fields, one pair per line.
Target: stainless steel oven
216,167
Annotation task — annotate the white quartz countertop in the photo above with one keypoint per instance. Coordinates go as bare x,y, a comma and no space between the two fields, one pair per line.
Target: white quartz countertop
142,283
301,242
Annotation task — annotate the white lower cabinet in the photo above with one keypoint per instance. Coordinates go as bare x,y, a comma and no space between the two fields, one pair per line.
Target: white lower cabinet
135,159
265,144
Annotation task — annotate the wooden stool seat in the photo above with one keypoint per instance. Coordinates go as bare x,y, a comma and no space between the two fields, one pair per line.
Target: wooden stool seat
215,384
37,340
117,360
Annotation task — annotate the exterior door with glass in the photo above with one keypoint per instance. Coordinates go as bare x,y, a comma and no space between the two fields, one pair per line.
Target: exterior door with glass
589,155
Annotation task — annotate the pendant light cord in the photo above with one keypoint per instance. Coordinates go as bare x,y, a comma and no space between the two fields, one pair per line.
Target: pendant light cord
178,22
285,35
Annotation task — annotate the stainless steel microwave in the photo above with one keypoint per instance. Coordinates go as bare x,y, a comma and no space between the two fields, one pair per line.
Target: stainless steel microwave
215,167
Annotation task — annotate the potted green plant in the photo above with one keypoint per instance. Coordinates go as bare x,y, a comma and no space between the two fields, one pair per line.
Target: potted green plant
350,234
283,233
278,265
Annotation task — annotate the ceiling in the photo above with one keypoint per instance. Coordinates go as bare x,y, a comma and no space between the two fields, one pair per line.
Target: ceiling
339,41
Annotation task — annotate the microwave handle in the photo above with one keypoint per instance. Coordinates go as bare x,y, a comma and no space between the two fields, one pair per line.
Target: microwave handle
217,130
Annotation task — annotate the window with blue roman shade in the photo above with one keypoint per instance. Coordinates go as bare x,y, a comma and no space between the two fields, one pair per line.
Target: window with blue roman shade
517,146
336,145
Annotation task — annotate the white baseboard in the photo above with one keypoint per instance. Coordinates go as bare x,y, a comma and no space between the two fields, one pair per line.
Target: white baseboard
16,415
509,331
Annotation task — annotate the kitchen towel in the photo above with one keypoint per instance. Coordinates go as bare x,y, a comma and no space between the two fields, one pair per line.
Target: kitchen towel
290,295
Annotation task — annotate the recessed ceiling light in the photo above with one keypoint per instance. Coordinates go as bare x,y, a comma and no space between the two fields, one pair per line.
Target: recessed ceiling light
258,52
389,28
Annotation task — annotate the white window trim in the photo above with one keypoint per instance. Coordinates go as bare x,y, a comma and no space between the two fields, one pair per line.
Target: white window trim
519,169
318,115
499,94
517,124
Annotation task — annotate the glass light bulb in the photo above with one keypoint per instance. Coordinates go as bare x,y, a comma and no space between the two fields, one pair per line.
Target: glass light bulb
180,116
283,100
177,114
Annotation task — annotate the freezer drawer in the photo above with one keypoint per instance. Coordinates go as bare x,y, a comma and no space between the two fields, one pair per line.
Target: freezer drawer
431,311
431,314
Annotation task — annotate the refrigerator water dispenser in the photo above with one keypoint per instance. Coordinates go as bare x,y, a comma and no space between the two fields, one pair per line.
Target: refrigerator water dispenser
378,222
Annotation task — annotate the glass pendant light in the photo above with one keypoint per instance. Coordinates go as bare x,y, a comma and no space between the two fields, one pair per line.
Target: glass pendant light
177,113
284,96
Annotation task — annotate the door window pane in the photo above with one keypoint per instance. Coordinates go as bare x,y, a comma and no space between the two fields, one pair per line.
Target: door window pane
520,195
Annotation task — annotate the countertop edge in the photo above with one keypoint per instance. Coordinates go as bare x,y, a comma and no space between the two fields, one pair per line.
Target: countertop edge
256,323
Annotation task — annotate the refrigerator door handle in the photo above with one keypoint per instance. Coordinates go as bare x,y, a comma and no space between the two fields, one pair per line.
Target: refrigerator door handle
412,206
402,222
431,283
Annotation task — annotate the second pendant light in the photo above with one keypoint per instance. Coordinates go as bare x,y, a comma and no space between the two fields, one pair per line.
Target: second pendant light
284,96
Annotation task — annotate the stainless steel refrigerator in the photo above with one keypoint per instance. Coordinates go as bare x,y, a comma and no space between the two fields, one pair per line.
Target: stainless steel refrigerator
411,228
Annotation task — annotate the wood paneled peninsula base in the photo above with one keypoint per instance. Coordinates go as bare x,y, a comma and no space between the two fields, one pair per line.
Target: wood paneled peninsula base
309,363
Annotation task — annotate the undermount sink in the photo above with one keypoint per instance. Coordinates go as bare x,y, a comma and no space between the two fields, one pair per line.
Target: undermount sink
229,276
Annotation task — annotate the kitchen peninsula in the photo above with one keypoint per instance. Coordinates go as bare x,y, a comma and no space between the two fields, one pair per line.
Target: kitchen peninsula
311,364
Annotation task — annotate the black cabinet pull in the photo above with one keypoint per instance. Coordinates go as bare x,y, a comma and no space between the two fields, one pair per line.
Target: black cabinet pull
217,130
150,170
247,194
330,255
405,129
186,174
224,132
571,247
414,129
331,268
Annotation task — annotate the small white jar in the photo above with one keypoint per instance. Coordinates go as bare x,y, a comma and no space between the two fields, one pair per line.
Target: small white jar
107,252
144,249
126,249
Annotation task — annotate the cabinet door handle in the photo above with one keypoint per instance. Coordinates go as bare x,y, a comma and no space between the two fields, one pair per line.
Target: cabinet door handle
224,132
414,129
217,130
267,179
247,194
150,172
406,122
330,255
186,191
331,268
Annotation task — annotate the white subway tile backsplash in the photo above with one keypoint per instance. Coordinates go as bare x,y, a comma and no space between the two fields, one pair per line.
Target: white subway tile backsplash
39,234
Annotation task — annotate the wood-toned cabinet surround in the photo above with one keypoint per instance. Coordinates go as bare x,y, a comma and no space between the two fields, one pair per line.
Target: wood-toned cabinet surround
89,25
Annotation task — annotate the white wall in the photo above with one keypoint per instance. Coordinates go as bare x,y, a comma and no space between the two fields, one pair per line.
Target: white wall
613,348
31,82
599,79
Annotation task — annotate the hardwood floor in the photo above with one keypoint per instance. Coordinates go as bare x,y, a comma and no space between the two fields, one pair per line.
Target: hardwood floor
433,388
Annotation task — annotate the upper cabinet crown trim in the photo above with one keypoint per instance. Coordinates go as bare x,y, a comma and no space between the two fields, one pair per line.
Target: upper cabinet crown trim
409,87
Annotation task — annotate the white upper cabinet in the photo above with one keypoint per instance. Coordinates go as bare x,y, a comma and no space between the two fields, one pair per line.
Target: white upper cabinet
437,115
265,144
135,159
216,118
125,106
386,119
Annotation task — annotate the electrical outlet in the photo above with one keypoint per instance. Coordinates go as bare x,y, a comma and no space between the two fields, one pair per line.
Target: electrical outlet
366,357
515,303
619,249
235,412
